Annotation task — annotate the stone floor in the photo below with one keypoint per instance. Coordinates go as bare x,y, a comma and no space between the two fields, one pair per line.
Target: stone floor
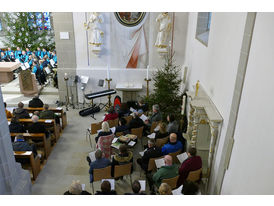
67,161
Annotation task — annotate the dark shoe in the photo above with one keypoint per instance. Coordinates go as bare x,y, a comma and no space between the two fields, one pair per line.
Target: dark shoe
89,160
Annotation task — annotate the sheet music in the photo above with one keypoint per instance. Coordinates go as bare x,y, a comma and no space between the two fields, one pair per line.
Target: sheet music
27,65
92,156
143,152
47,70
30,114
52,62
177,191
114,140
182,157
151,136
48,121
143,117
23,67
159,163
143,185
59,108
131,143
83,187
157,128
113,129
8,122
132,110
111,183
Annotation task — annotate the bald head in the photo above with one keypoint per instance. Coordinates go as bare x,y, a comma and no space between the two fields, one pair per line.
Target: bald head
168,160
173,137
34,118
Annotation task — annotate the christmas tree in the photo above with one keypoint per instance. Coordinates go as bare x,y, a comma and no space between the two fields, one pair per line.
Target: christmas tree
166,92
24,30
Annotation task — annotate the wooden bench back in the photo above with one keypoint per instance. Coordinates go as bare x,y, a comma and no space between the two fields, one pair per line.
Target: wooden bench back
103,173
172,182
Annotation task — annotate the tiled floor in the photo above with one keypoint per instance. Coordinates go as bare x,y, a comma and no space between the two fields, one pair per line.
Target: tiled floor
67,161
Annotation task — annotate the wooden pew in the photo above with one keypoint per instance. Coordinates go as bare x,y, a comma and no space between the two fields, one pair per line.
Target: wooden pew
47,122
37,136
55,110
34,162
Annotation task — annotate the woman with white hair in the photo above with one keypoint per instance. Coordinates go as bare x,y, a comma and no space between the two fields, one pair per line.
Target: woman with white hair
76,189
104,132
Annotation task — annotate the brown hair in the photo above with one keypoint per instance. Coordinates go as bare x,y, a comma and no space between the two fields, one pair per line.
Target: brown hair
192,151
162,127
123,149
105,186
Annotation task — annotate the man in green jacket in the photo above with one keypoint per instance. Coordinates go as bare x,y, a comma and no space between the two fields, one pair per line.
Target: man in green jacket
169,170
47,114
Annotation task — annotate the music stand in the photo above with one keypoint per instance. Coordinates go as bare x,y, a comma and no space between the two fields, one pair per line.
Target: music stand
84,81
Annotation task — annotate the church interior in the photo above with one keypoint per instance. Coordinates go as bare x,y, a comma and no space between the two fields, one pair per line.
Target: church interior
201,78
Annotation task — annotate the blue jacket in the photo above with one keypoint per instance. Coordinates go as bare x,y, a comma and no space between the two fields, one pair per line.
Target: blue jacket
17,54
8,52
3,57
43,54
38,53
171,147
54,58
24,58
29,53
98,164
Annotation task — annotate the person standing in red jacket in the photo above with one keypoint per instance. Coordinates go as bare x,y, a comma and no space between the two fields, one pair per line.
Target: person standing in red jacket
111,114
192,163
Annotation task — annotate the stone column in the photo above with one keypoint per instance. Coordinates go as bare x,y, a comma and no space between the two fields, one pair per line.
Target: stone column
13,179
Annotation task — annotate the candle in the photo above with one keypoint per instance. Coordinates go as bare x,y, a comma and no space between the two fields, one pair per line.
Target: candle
147,71
108,72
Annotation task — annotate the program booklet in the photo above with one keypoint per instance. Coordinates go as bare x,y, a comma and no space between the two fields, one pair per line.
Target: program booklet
159,163
182,157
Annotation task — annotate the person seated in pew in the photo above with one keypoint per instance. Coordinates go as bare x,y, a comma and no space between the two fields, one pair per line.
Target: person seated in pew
36,102
190,188
11,57
122,127
192,163
172,146
123,157
15,126
20,144
8,113
151,152
76,189
37,127
99,163
165,189
20,112
124,111
46,113
136,122
167,171
142,106
28,52
3,57
172,126
111,114
156,115
105,131
18,53
106,189
136,188
24,57
162,133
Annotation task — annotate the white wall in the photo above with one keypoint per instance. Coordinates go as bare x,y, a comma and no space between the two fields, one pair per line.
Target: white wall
251,166
216,66
95,67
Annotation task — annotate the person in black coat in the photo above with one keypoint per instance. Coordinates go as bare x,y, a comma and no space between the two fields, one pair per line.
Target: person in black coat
76,189
106,189
136,122
124,111
36,102
37,127
136,188
20,112
122,126
151,152
15,126
20,144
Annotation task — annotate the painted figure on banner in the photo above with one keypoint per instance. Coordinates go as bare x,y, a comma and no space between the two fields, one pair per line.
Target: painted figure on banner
95,33
164,29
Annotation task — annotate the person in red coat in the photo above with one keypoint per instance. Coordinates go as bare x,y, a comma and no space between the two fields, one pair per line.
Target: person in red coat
111,114
192,163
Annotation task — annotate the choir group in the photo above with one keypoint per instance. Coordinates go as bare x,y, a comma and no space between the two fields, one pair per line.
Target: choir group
40,62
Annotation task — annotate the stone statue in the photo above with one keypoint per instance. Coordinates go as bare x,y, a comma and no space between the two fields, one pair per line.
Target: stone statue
96,34
164,29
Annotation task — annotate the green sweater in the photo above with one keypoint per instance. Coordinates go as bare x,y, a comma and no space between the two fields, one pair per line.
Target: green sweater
165,172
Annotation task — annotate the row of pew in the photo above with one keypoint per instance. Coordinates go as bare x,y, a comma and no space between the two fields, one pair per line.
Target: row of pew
34,163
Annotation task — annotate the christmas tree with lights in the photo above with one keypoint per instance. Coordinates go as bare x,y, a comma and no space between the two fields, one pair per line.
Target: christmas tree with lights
27,30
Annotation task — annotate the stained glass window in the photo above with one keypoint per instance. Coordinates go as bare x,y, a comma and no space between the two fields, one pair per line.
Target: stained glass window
43,20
